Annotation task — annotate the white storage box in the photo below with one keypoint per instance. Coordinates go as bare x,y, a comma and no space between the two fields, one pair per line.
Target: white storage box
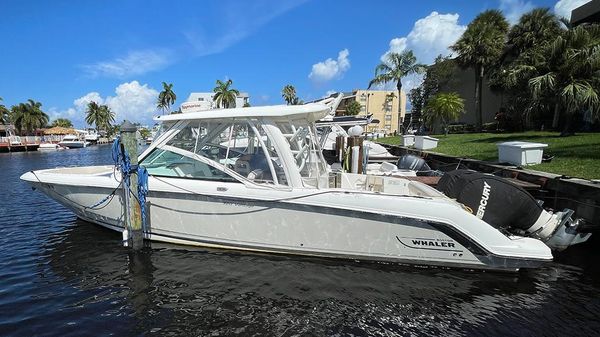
521,153
425,142
407,140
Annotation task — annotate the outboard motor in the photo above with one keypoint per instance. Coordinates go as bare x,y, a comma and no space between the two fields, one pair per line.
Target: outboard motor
506,206
416,163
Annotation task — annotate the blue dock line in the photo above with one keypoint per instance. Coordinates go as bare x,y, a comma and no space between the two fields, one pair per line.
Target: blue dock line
123,163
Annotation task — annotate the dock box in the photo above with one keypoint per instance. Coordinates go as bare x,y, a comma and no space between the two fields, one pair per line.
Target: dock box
425,142
520,153
407,140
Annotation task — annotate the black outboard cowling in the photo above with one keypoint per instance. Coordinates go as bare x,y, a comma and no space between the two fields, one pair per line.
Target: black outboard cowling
416,163
493,199
506,206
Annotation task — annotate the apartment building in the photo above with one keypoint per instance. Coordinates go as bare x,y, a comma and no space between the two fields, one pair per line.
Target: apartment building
385,106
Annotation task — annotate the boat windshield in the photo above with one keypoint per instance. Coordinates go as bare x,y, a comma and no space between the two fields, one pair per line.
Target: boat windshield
219,149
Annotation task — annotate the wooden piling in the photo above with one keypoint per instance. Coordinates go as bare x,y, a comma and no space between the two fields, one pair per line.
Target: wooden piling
340,147
356,141
134,218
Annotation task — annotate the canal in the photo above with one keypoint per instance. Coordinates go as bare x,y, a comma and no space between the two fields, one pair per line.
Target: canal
60,276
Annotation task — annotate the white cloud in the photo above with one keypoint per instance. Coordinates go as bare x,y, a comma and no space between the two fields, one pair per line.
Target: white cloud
134,63
330,68
132,101
564,7
513,9
431,36
82,102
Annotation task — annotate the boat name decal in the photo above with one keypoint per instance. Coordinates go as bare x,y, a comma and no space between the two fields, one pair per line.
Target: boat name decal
432,243
485,196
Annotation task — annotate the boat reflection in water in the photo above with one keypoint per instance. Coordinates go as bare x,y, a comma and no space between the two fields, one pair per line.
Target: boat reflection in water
201,291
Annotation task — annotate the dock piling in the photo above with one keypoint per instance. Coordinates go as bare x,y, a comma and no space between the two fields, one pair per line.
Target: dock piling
132,208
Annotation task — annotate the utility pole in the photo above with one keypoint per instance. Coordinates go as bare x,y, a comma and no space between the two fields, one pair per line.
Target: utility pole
133,218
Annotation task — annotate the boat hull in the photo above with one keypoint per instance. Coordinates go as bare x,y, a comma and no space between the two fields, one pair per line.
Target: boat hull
73,145
288,227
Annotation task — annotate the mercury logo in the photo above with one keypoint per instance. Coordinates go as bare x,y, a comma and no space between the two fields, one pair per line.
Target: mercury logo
484,200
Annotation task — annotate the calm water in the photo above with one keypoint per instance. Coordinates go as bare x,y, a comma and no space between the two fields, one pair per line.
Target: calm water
60,276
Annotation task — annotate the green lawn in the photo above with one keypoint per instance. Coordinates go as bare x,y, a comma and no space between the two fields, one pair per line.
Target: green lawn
575,156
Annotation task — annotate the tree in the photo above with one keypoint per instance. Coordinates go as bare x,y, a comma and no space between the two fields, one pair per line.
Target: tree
522,60
289,94
101,116
108,117
62,122
166,97
94,115
571,72
480,47
224,95
3,113
438,76
444,106
28,116
416,101
394,68
353,108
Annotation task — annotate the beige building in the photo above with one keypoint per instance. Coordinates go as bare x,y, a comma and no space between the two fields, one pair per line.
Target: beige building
382,104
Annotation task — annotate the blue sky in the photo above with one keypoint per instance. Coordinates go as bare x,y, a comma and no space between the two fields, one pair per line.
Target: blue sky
67,53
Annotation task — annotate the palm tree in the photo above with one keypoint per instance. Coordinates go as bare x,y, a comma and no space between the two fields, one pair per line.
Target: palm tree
395,67
62,122
3,113
444,106
224,95
289,94
28,116
480,47
94,115
166,98
571,72
520,62
534,28
108,117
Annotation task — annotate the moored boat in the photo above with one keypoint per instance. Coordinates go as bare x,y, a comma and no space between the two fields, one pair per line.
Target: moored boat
275,193
50,147
72,141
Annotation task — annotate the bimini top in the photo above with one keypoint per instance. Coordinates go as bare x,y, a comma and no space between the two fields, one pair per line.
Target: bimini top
311,112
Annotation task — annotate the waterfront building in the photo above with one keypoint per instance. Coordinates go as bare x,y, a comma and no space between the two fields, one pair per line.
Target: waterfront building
386,106
205,101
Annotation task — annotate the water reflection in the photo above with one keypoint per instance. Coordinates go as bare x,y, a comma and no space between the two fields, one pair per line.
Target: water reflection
167,290
61,276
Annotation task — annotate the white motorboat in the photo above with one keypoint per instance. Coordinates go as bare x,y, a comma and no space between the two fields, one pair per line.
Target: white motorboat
73,141
277,195
91,136
50,147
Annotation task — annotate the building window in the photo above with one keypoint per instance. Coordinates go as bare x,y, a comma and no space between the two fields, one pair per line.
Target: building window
201,99
363,108
388,117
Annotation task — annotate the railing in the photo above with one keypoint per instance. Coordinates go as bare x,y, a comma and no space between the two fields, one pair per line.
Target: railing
23,140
